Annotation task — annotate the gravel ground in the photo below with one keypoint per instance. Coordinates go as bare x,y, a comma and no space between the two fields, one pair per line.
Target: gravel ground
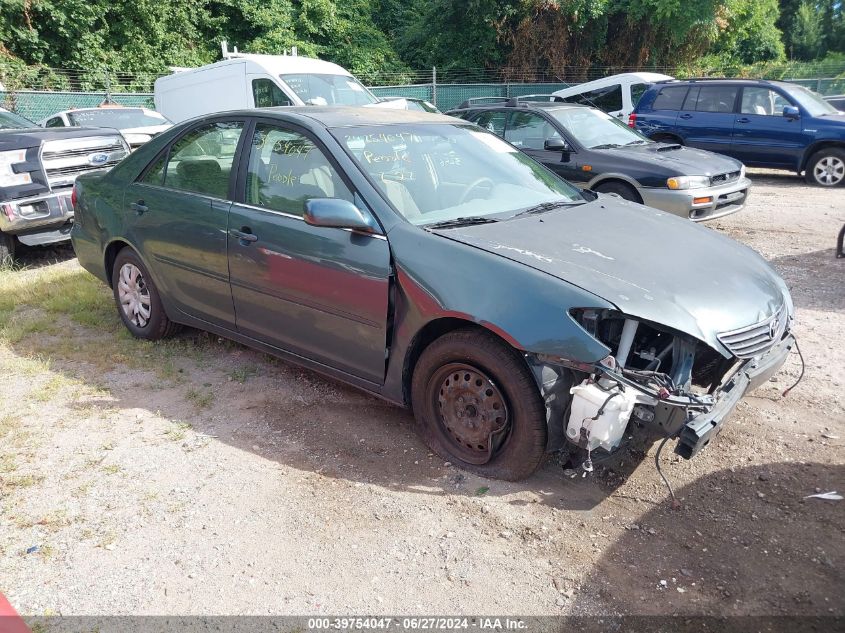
228,483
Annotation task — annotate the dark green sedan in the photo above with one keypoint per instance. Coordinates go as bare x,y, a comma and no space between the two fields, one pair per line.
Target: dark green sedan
427,261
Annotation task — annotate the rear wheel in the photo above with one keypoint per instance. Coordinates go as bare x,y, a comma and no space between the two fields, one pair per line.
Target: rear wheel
619,189
7,249
826,168
137,298
477,405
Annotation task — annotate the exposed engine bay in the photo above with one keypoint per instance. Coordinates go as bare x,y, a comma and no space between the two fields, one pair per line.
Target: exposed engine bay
655,381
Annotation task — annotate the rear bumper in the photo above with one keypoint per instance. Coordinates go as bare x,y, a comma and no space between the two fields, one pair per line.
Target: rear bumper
44,216
700,430
722,200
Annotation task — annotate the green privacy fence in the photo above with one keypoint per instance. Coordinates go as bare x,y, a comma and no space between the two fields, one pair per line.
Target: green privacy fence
40,104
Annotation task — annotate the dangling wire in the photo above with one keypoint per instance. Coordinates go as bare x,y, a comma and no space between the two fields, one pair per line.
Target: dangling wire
801,375
675,503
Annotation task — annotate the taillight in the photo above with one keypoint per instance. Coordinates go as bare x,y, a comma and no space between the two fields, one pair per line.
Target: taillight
73,196
632,120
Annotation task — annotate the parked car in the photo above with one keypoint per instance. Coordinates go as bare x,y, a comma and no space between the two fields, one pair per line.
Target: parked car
595,150
617,95
245,80
423,259
138,125
837,101
37,170
411,103
771,124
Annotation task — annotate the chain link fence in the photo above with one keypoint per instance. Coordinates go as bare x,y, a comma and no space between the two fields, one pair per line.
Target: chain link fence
38,93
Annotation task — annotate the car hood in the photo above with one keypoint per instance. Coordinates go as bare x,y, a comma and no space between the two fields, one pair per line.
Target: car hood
675,159
32,137
648,263
831,119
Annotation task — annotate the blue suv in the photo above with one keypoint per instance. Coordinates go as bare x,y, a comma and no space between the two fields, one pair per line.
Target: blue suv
770,124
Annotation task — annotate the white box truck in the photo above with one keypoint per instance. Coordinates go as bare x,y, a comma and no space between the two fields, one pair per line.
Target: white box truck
244,80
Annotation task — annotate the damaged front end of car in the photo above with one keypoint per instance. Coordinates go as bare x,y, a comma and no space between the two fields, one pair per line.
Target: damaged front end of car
656,381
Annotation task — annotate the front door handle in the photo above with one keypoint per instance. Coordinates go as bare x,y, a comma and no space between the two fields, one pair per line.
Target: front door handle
245,235
685,116
744,119
139,207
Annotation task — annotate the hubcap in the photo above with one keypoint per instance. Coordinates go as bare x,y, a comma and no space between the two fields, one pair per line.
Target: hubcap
830,170
134,295
472,412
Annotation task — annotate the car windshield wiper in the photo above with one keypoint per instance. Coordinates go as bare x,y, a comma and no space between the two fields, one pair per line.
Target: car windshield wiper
637,142
469,221
606,146
547,206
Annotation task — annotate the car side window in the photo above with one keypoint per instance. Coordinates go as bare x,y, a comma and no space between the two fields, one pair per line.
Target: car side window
716,99
201,160
670,98
527,130
267,94
286,168
759,100
56,121
492,121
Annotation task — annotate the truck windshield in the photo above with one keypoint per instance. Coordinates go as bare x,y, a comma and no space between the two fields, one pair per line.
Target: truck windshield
812,102
12,121
328,89
595,129
434,173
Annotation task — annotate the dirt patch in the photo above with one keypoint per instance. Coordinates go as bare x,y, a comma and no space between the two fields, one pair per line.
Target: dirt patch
199,477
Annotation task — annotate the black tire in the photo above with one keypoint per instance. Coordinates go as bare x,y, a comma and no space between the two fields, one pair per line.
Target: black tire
619,189
667,138
8,246
156,325
516,451
830,162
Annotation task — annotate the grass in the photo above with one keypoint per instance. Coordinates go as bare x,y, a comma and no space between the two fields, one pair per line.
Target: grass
242,374
177,432
201,399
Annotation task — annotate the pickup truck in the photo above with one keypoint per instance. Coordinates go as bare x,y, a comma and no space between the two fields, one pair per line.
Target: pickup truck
37,169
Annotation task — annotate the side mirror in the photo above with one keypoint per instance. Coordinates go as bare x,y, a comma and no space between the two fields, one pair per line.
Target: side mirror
556,145
791,112
338,214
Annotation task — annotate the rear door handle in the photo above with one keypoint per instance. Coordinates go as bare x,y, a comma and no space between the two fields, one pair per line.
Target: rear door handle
744,120
139,207
685,116
245,235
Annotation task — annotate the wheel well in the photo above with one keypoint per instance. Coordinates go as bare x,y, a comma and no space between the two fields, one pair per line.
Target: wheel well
816,147
429,333
111,254
619,181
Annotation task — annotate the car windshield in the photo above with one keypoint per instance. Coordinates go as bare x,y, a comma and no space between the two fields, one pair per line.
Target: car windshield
12,121
595,129
433,173
120,118
812,102
328,89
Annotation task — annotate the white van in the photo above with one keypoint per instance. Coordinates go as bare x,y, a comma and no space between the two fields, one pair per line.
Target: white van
617,95
257,81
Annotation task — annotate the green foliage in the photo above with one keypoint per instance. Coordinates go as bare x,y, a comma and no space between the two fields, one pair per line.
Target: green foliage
749,32
807,36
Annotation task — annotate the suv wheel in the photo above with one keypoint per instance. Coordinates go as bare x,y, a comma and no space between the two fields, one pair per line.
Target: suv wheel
477,405
826,168
7,248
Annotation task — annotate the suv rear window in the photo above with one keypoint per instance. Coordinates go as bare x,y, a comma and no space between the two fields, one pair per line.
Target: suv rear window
670,98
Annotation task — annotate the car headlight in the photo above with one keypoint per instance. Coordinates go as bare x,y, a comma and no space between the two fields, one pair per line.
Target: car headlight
8,177
688,182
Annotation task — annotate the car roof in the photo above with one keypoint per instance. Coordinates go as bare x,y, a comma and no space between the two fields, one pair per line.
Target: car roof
644,77
724,80
348,116
524,105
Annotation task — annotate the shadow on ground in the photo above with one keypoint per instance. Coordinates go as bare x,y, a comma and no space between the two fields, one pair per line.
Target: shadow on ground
816,279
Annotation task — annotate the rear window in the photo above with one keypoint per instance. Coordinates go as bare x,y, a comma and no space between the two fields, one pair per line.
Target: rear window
608,98
637,91
670,98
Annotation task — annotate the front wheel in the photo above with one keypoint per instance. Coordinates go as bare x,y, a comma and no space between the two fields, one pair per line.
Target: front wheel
477,405
826,168
137,298
619,189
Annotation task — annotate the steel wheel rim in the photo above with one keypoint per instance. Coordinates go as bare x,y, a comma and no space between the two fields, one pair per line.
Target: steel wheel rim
830,170
134,295
471,411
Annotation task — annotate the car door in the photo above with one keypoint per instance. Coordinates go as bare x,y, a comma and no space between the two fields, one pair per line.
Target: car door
706,119
762,135
177,213
529,131
318,292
